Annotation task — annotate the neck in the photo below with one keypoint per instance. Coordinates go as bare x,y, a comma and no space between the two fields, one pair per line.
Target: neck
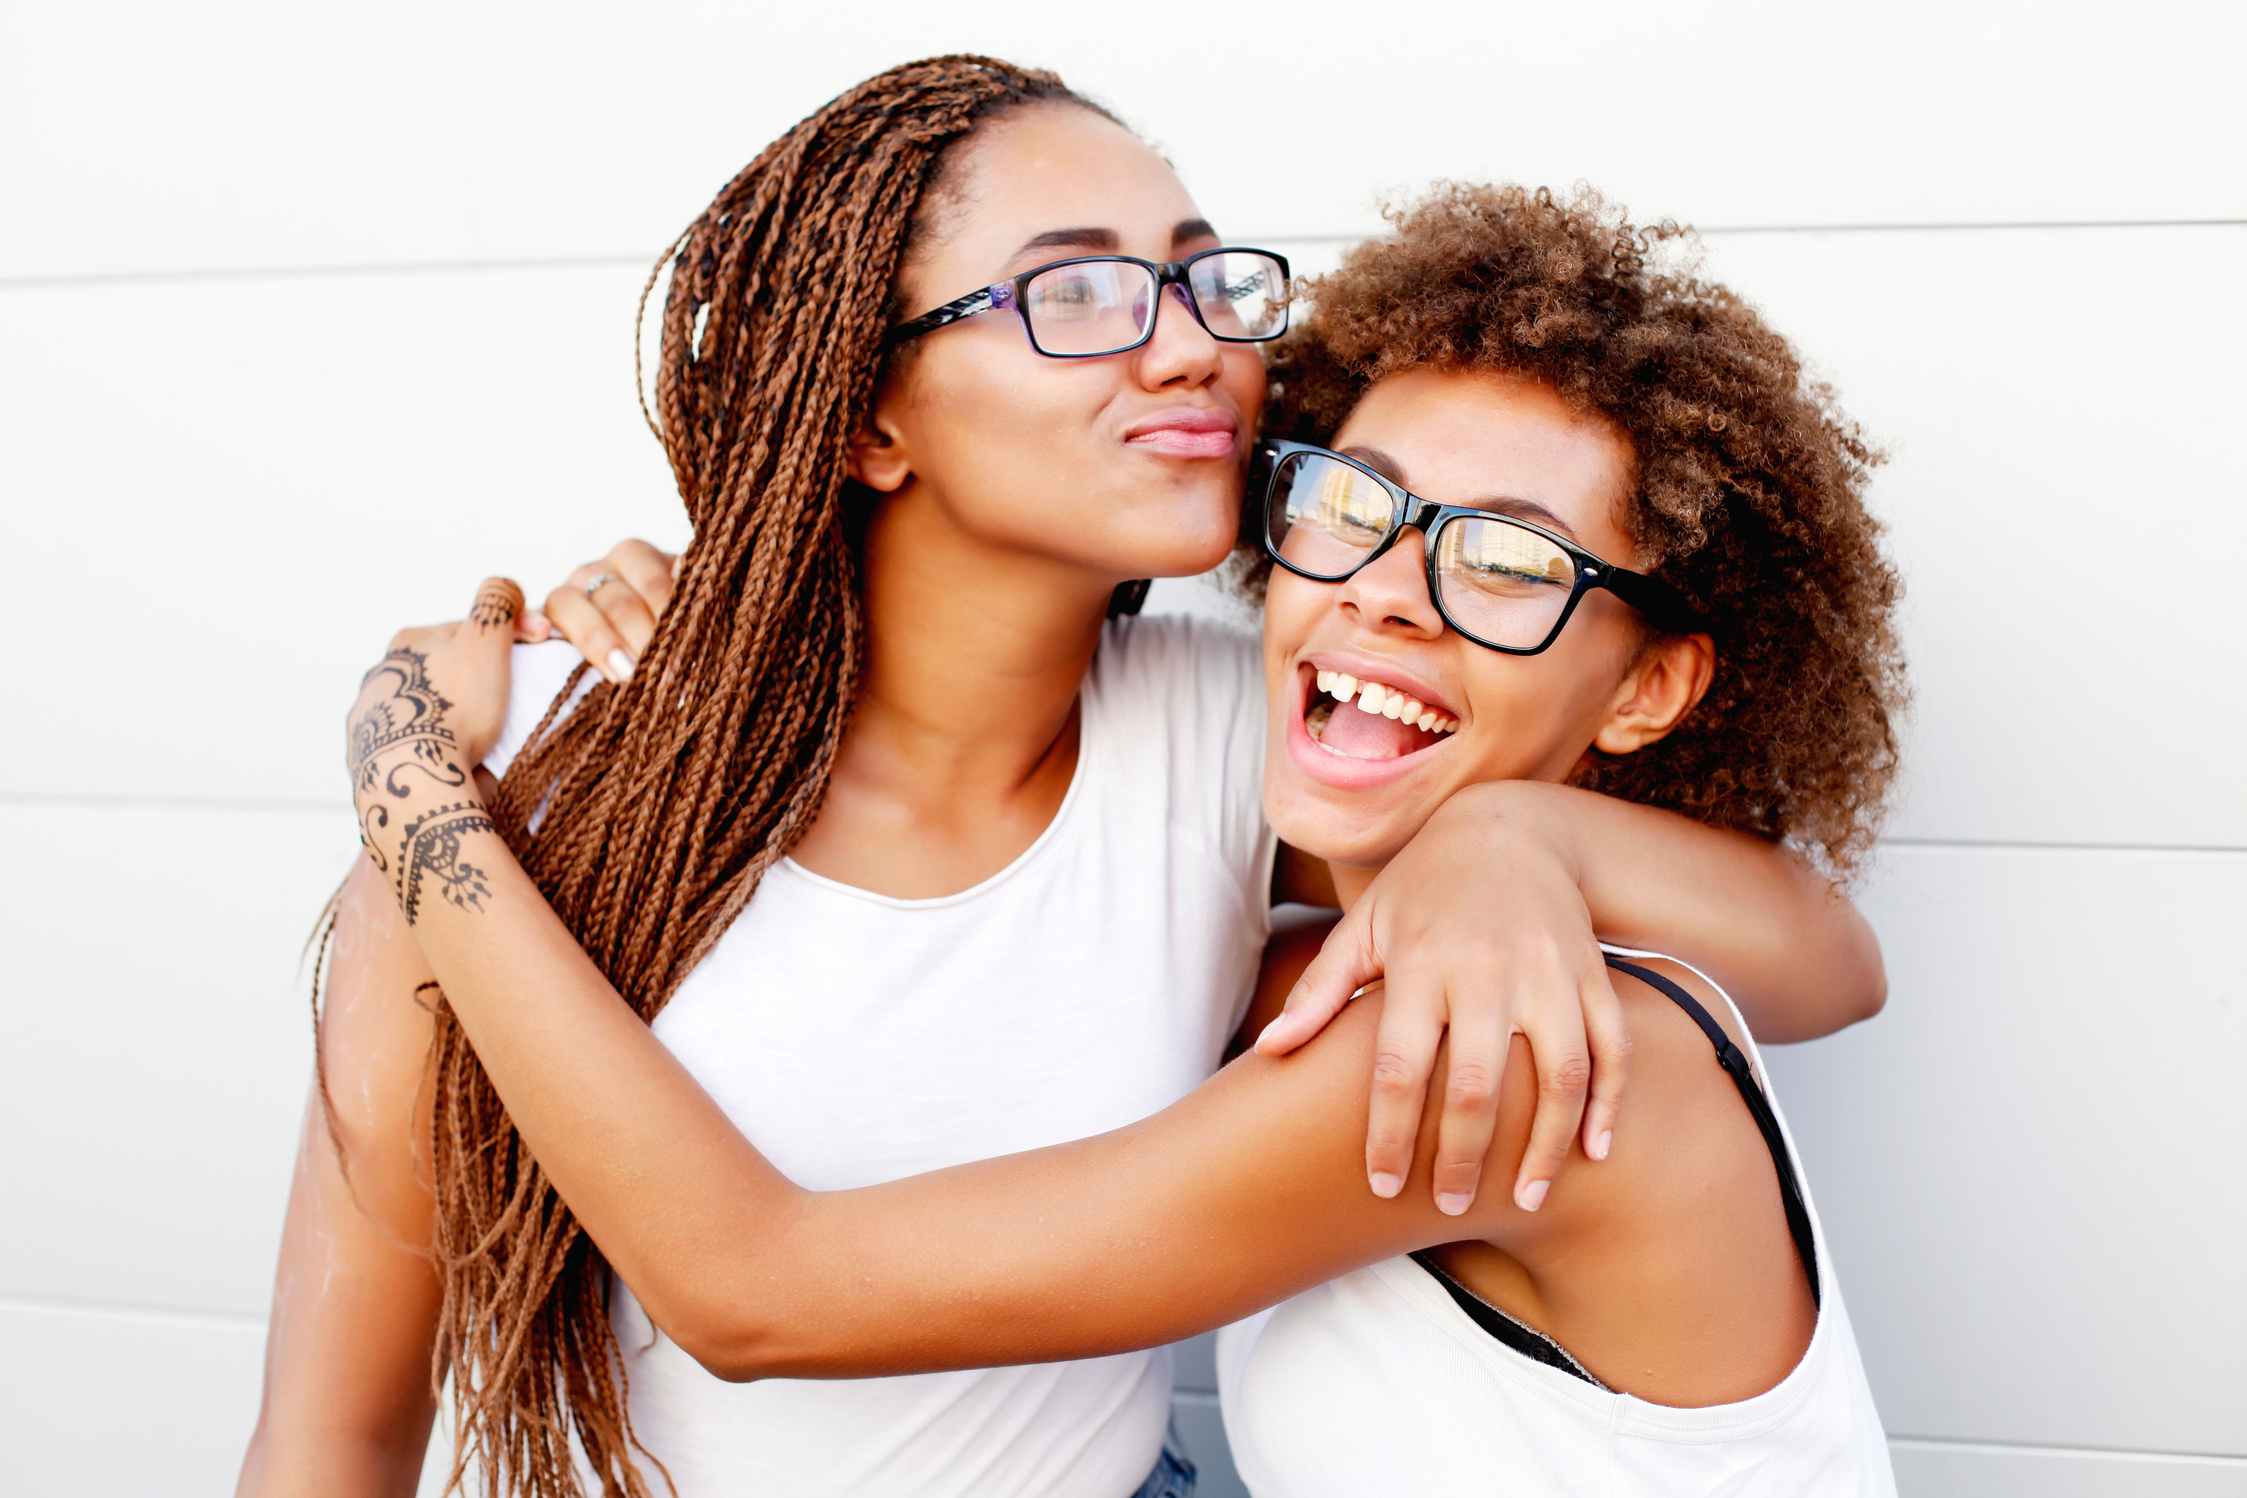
974,655
1351,881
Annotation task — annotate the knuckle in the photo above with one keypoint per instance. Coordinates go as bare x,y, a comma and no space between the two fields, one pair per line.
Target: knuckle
1570,1074
1471,1085
1394,1073
1388,1148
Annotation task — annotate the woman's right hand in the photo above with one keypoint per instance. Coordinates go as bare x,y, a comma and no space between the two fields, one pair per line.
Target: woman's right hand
608,608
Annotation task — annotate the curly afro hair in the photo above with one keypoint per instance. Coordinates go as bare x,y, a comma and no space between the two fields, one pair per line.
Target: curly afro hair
1749,492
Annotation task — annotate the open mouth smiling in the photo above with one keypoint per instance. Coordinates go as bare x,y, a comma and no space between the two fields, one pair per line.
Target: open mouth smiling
1353,717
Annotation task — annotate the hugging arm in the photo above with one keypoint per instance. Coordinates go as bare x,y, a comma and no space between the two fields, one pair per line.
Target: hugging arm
1244,1193
1485,928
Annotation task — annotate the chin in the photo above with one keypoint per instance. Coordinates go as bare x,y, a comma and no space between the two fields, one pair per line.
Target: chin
1338,832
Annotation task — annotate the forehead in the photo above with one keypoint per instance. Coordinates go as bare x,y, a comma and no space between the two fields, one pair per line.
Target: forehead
1460,437
1047,169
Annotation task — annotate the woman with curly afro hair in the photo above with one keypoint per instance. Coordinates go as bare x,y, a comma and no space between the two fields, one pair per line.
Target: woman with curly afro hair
1544,518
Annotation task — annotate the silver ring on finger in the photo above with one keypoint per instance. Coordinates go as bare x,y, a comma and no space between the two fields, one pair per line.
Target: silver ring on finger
597,582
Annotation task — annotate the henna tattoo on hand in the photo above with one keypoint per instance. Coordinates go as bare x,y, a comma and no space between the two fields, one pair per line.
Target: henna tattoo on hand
497,604
431,846
412,717
399,726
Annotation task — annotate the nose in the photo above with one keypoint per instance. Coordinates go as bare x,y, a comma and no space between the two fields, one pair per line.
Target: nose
1391,591
1182,352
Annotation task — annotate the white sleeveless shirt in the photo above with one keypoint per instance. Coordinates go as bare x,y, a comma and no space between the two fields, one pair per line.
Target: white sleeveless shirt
1378,1382
856,1038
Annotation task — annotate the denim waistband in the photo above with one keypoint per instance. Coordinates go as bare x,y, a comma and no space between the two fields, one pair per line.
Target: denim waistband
1173,1476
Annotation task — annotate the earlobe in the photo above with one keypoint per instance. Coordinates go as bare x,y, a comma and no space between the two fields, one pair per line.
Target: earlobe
1664,685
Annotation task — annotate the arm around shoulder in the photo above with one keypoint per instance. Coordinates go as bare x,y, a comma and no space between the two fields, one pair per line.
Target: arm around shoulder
1796,955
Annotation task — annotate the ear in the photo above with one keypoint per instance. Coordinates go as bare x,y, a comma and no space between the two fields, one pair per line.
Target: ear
879,458
1664,684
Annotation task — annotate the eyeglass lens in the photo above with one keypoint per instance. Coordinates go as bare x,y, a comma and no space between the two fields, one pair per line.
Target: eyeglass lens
1500,582
1101,306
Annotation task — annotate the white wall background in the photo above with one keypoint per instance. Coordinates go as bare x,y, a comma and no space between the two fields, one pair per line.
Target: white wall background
287,292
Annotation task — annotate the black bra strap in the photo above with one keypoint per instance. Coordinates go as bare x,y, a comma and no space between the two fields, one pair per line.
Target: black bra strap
1735,1062
1519,1335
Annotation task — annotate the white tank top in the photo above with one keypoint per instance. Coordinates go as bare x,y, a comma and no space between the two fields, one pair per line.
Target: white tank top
856,1038
1379,1382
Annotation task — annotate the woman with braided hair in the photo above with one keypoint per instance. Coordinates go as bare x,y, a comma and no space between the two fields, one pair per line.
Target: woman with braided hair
908,855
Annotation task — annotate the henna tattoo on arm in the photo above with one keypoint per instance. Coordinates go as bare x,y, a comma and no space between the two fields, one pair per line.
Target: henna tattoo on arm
431,847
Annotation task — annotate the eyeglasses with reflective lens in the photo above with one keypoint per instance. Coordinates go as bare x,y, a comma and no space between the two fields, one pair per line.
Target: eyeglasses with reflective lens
1106,304
1504,583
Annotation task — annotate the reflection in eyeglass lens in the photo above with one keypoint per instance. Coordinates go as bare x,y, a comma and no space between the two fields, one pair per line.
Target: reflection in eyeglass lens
1090,308
1241,296
1504,582
1327,515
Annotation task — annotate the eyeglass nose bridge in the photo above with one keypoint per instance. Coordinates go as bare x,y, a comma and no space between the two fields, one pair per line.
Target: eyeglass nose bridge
1172,274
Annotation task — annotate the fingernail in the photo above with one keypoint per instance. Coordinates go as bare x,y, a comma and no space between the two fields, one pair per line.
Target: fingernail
1454,1203
1602,1144
1533,1195
1384,1184
537,624
620,665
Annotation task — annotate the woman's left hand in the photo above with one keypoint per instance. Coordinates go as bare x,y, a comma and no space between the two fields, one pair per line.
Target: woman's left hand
1479,927
426,716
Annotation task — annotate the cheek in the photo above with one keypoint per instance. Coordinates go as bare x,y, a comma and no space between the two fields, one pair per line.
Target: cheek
1246,381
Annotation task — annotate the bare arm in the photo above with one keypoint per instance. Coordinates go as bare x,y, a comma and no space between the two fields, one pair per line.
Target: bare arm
1484,929
348,1402
1798,958
1246,1192
1507,884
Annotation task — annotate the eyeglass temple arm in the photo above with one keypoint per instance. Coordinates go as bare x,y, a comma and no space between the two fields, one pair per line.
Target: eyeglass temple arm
1656,599
1001,295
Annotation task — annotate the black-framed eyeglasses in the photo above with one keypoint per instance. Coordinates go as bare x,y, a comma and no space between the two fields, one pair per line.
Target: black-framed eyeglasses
1504,583
1106,304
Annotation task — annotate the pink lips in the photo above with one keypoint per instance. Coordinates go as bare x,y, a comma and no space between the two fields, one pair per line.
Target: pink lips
1187,432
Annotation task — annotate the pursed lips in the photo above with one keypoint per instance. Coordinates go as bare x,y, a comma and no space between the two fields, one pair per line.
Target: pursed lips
1187,432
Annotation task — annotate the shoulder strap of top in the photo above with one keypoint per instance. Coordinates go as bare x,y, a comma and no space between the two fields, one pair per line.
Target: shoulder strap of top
1735,1062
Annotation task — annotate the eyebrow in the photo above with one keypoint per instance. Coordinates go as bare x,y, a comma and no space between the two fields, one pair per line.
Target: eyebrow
1498,504
1099,241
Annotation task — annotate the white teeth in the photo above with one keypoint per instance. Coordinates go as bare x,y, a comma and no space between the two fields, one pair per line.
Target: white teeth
1373,697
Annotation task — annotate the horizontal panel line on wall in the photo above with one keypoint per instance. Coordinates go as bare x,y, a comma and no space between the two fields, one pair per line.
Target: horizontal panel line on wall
168,803
2044,847
304,272
579,262
102,1310
2069,1453
1963,226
